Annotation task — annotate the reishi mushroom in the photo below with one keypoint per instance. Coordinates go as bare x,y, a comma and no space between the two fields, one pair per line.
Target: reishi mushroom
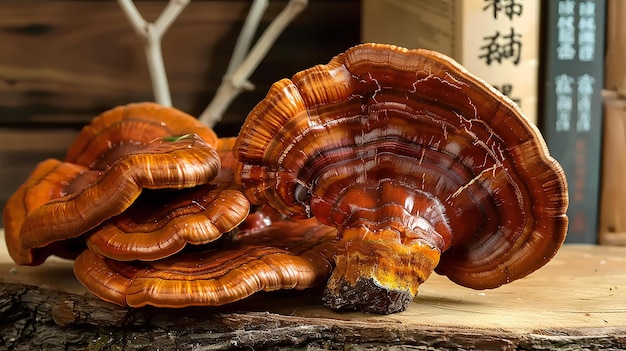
138,185
47,182
113,159
161,223
138,257
285,255
125,129
420,165
163,164
406,162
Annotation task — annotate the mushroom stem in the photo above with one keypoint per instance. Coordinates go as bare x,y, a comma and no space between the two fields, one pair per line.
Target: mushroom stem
391,235
379,275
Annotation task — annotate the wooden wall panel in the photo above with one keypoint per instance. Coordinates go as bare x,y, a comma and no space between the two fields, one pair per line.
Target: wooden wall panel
66,61
63,62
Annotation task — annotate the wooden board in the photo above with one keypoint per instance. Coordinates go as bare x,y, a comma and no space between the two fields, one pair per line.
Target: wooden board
577,301
67,61
64,62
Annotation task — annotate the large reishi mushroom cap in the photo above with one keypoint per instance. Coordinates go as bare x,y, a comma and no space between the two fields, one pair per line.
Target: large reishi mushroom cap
287,255
417,162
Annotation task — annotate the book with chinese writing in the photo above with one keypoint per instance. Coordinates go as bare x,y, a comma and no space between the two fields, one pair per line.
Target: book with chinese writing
572,108
497,40
612,228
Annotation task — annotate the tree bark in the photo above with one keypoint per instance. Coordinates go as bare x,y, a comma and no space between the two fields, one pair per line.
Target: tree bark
44,318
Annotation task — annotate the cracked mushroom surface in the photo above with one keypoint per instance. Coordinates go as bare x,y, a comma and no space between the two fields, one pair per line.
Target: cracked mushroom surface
286,255
113,159
420,165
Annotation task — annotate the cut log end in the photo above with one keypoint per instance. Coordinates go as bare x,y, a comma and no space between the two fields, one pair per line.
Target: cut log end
366,296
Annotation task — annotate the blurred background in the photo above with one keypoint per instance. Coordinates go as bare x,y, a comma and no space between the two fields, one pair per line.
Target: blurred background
64,62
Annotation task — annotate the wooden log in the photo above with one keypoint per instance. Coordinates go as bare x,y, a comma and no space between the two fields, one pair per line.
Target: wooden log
577,301
50,319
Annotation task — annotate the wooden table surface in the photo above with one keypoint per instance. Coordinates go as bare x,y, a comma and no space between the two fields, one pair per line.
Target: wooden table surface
577,300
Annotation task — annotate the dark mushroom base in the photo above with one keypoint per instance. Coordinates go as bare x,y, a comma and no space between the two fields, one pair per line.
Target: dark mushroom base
378,276
366,296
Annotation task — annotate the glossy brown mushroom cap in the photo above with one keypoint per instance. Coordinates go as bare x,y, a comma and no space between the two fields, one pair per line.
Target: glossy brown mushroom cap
51,179
284,256
129,128
122,151
405,151
161,223
162,164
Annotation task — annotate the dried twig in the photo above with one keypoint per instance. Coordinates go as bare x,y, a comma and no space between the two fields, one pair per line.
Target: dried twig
233,84
242,46
152,33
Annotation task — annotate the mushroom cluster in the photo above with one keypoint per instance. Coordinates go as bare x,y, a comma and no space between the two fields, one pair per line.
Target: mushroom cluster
375,170
141,201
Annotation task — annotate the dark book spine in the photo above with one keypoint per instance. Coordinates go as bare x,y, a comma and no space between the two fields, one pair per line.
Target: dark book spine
573,74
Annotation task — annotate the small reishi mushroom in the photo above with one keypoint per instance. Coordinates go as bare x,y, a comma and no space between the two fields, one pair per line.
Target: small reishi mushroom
128,128
160,224
287,255
420,166
122,152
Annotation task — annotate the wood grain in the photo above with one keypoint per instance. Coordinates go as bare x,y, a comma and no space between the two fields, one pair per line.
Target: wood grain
66,61
577,301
